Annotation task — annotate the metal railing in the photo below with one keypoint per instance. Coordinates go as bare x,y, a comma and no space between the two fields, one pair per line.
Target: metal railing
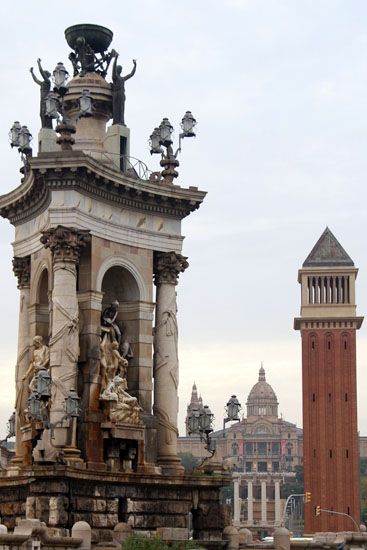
131,166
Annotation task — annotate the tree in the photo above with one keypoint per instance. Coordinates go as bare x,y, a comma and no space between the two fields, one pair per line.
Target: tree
188,461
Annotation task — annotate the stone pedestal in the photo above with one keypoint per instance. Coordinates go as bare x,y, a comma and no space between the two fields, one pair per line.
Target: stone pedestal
117,145
47,141
167,268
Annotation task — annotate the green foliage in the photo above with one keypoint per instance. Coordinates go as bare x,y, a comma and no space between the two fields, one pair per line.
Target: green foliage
294,487
189,461
139,542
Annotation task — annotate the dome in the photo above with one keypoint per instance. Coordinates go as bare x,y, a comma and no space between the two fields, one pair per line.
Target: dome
262,400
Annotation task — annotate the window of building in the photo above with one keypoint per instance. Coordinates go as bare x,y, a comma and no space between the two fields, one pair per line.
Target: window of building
262,466
261,448
275,466
249,448
234,449
262,410
248,466
275,448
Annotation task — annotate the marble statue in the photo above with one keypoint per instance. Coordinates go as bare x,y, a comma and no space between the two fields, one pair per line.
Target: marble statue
111,361
126,408
109,317
40,360
45,87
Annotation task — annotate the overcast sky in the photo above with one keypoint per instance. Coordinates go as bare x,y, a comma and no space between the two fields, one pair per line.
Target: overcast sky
279,89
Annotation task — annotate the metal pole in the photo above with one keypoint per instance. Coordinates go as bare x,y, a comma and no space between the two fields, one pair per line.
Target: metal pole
341,514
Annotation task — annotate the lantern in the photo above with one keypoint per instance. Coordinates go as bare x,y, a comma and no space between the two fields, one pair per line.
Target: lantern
187,124
60,77
52,105
72,404
206,420
11,426
85,104
165,131
14,134
34,406
24,139
155,142
43,382
233,408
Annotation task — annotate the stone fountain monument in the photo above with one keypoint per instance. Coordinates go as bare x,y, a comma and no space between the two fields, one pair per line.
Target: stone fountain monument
94,234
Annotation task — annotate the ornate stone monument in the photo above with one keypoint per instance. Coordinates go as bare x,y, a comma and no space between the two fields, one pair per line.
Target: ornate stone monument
92,237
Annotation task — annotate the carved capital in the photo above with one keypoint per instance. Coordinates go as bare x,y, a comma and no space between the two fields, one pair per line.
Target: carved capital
22,270
168,266
65,243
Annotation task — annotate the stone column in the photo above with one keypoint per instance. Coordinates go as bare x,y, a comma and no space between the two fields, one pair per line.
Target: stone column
263,503
277,501
250,503
65,244
236,501
22,270
167,267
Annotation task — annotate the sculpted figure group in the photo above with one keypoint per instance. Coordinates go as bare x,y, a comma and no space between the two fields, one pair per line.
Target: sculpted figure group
114,353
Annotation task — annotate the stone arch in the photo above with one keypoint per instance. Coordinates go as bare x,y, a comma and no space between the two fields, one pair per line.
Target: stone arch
130,269
41,286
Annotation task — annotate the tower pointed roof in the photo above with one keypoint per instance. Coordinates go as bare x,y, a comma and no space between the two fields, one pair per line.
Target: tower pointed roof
328,252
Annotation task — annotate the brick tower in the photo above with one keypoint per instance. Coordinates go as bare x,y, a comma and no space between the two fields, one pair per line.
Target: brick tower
328,325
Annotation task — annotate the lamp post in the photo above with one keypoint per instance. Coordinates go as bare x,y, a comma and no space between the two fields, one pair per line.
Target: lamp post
233,408
161,143
38,405
201,422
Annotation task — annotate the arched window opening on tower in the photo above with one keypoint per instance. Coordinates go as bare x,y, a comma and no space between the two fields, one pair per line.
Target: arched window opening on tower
313,397
348,510
329,397
319,287
330,453
314,291
347,453
346,397
328,344
314,453
337,290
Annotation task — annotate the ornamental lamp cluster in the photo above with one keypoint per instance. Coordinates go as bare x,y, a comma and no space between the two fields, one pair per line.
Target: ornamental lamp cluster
200,421
162,135
55,99
21,138
38,401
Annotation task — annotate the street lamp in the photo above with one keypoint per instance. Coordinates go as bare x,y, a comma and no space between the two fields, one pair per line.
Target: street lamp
162,136
60,77
187,124
155,142
14,134
233,407
52,105
43,383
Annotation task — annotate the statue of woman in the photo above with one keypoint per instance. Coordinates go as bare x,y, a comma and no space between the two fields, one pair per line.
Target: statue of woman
118,91
45,87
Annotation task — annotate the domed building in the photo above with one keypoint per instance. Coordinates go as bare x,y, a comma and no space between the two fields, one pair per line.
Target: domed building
263,450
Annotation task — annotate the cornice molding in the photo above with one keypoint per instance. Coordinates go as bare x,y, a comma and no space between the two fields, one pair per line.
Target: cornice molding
77,171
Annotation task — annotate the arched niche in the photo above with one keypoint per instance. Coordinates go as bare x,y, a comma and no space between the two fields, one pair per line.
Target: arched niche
119,284
42,304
